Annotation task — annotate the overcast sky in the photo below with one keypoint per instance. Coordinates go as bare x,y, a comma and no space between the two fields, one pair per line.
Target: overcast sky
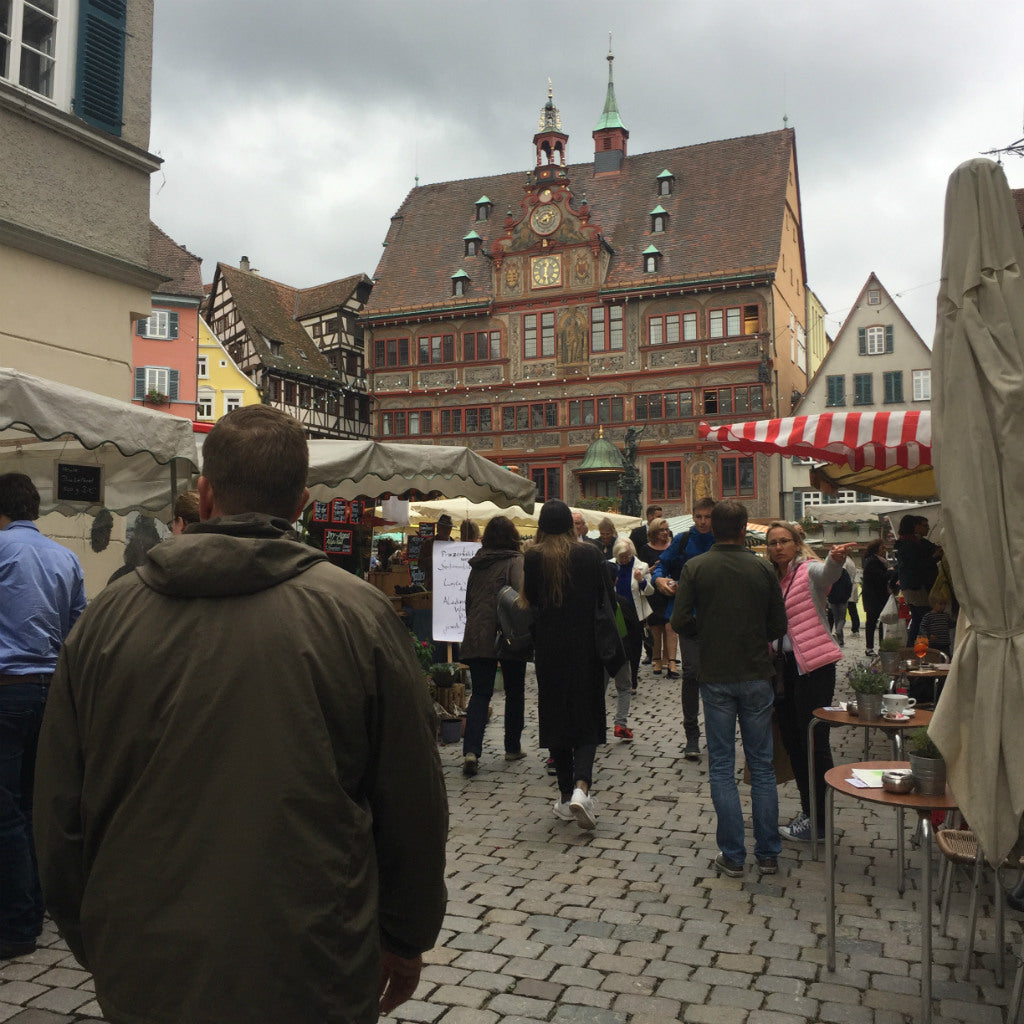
291,132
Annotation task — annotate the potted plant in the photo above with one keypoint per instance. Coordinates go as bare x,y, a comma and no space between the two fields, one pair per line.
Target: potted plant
445,673
156,397
869,683
927,764
888,653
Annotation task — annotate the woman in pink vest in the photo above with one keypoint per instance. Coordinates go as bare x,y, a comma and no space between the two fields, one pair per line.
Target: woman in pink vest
811,656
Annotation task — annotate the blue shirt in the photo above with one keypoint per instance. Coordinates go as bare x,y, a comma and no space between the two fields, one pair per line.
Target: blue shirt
42,593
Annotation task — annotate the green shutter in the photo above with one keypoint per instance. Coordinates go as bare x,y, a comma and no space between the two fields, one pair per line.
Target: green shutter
862,341
140,326
172,384
172,325
140,381
888,337
99,70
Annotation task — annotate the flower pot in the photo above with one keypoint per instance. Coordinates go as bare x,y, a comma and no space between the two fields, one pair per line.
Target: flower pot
869,706
451,729
929,775
890,662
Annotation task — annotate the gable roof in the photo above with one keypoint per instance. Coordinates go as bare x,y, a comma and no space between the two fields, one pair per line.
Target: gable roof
267,308
322,298
175,262
725,219
860,303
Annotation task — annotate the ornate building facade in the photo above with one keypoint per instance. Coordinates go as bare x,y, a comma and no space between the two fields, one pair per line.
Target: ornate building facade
519,313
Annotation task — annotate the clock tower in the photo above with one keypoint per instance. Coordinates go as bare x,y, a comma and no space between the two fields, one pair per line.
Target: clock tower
550,142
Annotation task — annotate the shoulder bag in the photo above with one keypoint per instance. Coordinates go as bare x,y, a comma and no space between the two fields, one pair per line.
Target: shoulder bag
513,638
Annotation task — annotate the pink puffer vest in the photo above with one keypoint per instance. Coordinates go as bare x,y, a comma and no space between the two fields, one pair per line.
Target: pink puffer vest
808,631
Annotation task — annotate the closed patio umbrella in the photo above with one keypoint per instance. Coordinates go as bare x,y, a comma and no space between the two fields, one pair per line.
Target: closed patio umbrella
978,419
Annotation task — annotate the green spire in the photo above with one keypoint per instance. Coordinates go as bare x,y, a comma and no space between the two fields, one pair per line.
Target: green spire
610,116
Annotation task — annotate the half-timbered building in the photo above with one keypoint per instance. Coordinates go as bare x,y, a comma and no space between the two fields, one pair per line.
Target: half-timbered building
302,347
518,313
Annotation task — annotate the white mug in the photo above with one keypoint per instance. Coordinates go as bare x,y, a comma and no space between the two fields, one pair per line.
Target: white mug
897,703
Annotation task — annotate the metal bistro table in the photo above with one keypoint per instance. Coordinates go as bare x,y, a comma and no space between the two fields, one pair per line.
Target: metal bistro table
936,671
827,716
837,781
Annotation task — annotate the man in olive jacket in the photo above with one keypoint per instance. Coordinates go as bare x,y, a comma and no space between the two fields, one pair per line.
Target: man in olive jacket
239,812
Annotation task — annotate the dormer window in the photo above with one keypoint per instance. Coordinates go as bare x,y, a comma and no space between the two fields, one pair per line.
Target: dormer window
275,347
483,208
460,283
665,183
473,243
659,219
652,259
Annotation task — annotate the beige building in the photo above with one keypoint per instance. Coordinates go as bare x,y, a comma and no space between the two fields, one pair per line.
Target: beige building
74,203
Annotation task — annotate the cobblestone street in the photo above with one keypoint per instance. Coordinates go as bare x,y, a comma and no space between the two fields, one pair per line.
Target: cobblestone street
630,924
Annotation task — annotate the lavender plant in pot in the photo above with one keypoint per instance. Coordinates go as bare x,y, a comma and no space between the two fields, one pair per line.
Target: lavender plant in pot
869,684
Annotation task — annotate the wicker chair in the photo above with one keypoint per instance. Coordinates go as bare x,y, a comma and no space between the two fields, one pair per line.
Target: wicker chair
960,847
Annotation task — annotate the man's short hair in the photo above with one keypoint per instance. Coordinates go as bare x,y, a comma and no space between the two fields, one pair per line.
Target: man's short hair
705,504
729,520
186,507
652,510
19,498
257,460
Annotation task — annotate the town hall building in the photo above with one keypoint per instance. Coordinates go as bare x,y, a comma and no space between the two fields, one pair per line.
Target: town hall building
525,313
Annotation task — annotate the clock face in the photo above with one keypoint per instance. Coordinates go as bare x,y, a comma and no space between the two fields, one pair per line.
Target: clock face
546,271
545,219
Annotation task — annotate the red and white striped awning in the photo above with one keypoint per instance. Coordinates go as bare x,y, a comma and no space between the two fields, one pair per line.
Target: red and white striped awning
881,440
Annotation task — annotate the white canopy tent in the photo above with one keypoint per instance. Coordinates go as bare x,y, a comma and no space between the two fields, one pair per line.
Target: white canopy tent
85,452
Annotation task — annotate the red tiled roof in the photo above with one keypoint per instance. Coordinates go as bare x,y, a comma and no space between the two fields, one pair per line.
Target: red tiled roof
323,297
725,218
171,260
267,307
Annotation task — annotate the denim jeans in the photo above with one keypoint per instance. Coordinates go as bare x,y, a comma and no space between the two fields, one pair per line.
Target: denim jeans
750,703
21,900
513,675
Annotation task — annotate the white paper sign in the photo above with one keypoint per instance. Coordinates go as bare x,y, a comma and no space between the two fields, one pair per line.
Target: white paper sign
451,573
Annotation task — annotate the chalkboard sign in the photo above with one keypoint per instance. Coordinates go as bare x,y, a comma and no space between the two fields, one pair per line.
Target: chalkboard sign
339,511
321,512
355,512
338,542
79,483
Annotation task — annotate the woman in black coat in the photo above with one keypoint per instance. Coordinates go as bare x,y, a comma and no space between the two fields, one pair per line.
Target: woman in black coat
498,563
874,591
575,640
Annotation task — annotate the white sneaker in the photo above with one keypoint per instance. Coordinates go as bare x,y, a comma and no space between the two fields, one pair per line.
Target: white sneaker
582,807
562,810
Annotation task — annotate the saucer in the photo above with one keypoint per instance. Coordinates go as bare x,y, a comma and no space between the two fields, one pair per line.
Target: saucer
898,718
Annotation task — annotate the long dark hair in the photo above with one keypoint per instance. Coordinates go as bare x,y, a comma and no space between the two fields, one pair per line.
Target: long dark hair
501,534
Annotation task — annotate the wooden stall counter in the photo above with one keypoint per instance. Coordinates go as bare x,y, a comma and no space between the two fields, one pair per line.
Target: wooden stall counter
386,580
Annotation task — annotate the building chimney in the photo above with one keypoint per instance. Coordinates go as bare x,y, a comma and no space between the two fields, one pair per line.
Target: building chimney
243,264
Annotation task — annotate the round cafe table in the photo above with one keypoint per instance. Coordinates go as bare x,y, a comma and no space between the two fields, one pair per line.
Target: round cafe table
834,716
838,781
936,671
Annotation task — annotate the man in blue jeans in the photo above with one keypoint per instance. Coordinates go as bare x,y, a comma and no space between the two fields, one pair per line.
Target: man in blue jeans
731,601
41,595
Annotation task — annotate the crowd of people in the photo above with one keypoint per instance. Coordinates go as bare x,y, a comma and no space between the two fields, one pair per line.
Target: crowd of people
144,761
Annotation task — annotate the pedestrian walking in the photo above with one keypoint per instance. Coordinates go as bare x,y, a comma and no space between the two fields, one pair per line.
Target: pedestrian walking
730,600
239,806
42,593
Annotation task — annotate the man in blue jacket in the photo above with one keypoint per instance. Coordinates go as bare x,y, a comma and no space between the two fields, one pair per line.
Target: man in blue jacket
665,576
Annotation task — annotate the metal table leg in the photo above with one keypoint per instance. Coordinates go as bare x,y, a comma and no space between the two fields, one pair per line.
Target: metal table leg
830,876
812,788
924,817
901,883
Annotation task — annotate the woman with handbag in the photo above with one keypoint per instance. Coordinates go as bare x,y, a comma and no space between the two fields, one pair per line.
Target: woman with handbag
497,564
874,589
575,642
663,637
810,663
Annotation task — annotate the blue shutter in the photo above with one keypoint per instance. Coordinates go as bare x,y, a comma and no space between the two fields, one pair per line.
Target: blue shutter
888,337
141,326
99,69
172,325
862,341
140,382
172,383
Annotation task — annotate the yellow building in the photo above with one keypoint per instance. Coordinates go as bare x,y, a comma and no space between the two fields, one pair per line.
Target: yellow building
222,385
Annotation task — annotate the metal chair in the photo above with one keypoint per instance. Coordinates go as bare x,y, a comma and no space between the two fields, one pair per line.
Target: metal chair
960,847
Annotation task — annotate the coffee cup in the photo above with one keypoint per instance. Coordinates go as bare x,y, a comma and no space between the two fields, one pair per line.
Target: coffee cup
897,703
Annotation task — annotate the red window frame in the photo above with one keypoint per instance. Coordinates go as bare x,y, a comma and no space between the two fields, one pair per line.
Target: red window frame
390,352
467,419
548,479
741,398
653,406
435,349
523,416
731,470
481,346
397,422
578,409
606,333
539,335
661,483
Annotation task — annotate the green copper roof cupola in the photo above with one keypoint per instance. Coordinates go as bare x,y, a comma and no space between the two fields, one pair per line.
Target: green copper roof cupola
602,457
610,135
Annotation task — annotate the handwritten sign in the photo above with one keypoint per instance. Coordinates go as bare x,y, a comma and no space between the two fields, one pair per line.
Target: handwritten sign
321,512
339,511
451,574
355,512
416,573
338,542
79,483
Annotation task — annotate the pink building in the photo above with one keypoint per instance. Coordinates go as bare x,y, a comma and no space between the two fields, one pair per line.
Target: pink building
165,345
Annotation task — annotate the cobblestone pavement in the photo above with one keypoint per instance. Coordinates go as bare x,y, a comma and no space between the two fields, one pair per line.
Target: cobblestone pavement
630,924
